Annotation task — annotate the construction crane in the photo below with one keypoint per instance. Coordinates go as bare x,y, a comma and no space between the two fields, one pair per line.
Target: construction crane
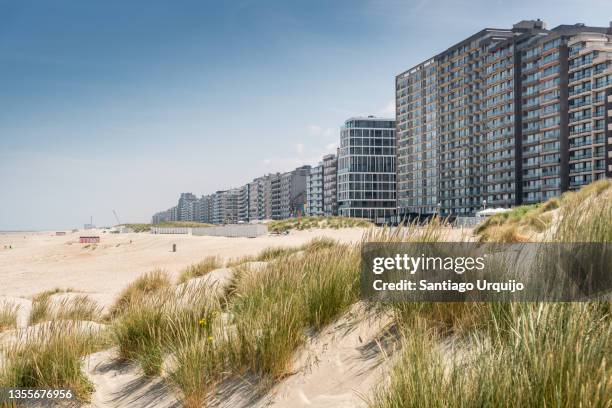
117,217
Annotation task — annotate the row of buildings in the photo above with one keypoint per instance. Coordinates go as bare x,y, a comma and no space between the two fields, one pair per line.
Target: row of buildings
273,196
502,118
357,181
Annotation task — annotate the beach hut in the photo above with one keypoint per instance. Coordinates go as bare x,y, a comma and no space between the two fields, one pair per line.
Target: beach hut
89,240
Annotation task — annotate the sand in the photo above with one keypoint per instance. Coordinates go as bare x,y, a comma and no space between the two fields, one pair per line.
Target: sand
337,368
43,261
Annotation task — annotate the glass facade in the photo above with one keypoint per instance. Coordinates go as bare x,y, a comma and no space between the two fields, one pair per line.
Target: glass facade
366,169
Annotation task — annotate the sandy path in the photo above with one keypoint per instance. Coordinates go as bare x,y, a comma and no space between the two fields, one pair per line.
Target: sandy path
43,261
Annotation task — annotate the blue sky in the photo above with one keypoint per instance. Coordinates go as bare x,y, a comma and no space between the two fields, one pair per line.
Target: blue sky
124,104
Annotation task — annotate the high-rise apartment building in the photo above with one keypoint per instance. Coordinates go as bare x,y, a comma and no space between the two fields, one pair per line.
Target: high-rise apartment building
275,196
226,206
293,192
185,207
590,107
164,216
504,117
330,185
260,198
314,191
366,168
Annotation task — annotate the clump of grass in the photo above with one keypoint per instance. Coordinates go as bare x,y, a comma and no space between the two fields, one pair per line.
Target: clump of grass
318,244
151,326
518,223
272,253
239,261
75,308
586,215
272,309
201,268
41,303
51,357
199,367
143,286
8,315
512,366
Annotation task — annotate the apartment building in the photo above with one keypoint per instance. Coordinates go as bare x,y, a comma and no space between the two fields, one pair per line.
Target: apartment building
260,198
314,191
164,216
488,121
417,139
275,196
330,185
366,168
589,107
185,207
204,209
293,192
226,206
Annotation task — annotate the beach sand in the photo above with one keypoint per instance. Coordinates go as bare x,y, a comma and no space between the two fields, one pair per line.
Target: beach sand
339,367
43,261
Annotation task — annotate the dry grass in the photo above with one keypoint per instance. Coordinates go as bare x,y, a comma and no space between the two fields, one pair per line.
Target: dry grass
518,224
51,357
210,263
511,354
272,253
150,326
41,303
8,315
146,285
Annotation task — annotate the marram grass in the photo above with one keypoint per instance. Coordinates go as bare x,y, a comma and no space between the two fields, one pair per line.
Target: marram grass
8,315
511,355
201,268
51,356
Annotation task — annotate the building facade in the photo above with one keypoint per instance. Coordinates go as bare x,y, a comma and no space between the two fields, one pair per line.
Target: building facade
502,118
185,207
366,169
330,185
293,192
314,191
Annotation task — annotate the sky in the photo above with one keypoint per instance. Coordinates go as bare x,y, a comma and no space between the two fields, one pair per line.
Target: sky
122,105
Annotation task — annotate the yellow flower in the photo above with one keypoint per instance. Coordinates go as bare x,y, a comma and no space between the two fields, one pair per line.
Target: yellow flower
202,322
210,338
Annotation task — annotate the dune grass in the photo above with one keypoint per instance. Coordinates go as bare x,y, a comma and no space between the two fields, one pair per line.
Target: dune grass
512,354
41,304
199,367
143,286
51,357
518,224
272,253
309,222
201,268
8,315
549,355
272,309
150,326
